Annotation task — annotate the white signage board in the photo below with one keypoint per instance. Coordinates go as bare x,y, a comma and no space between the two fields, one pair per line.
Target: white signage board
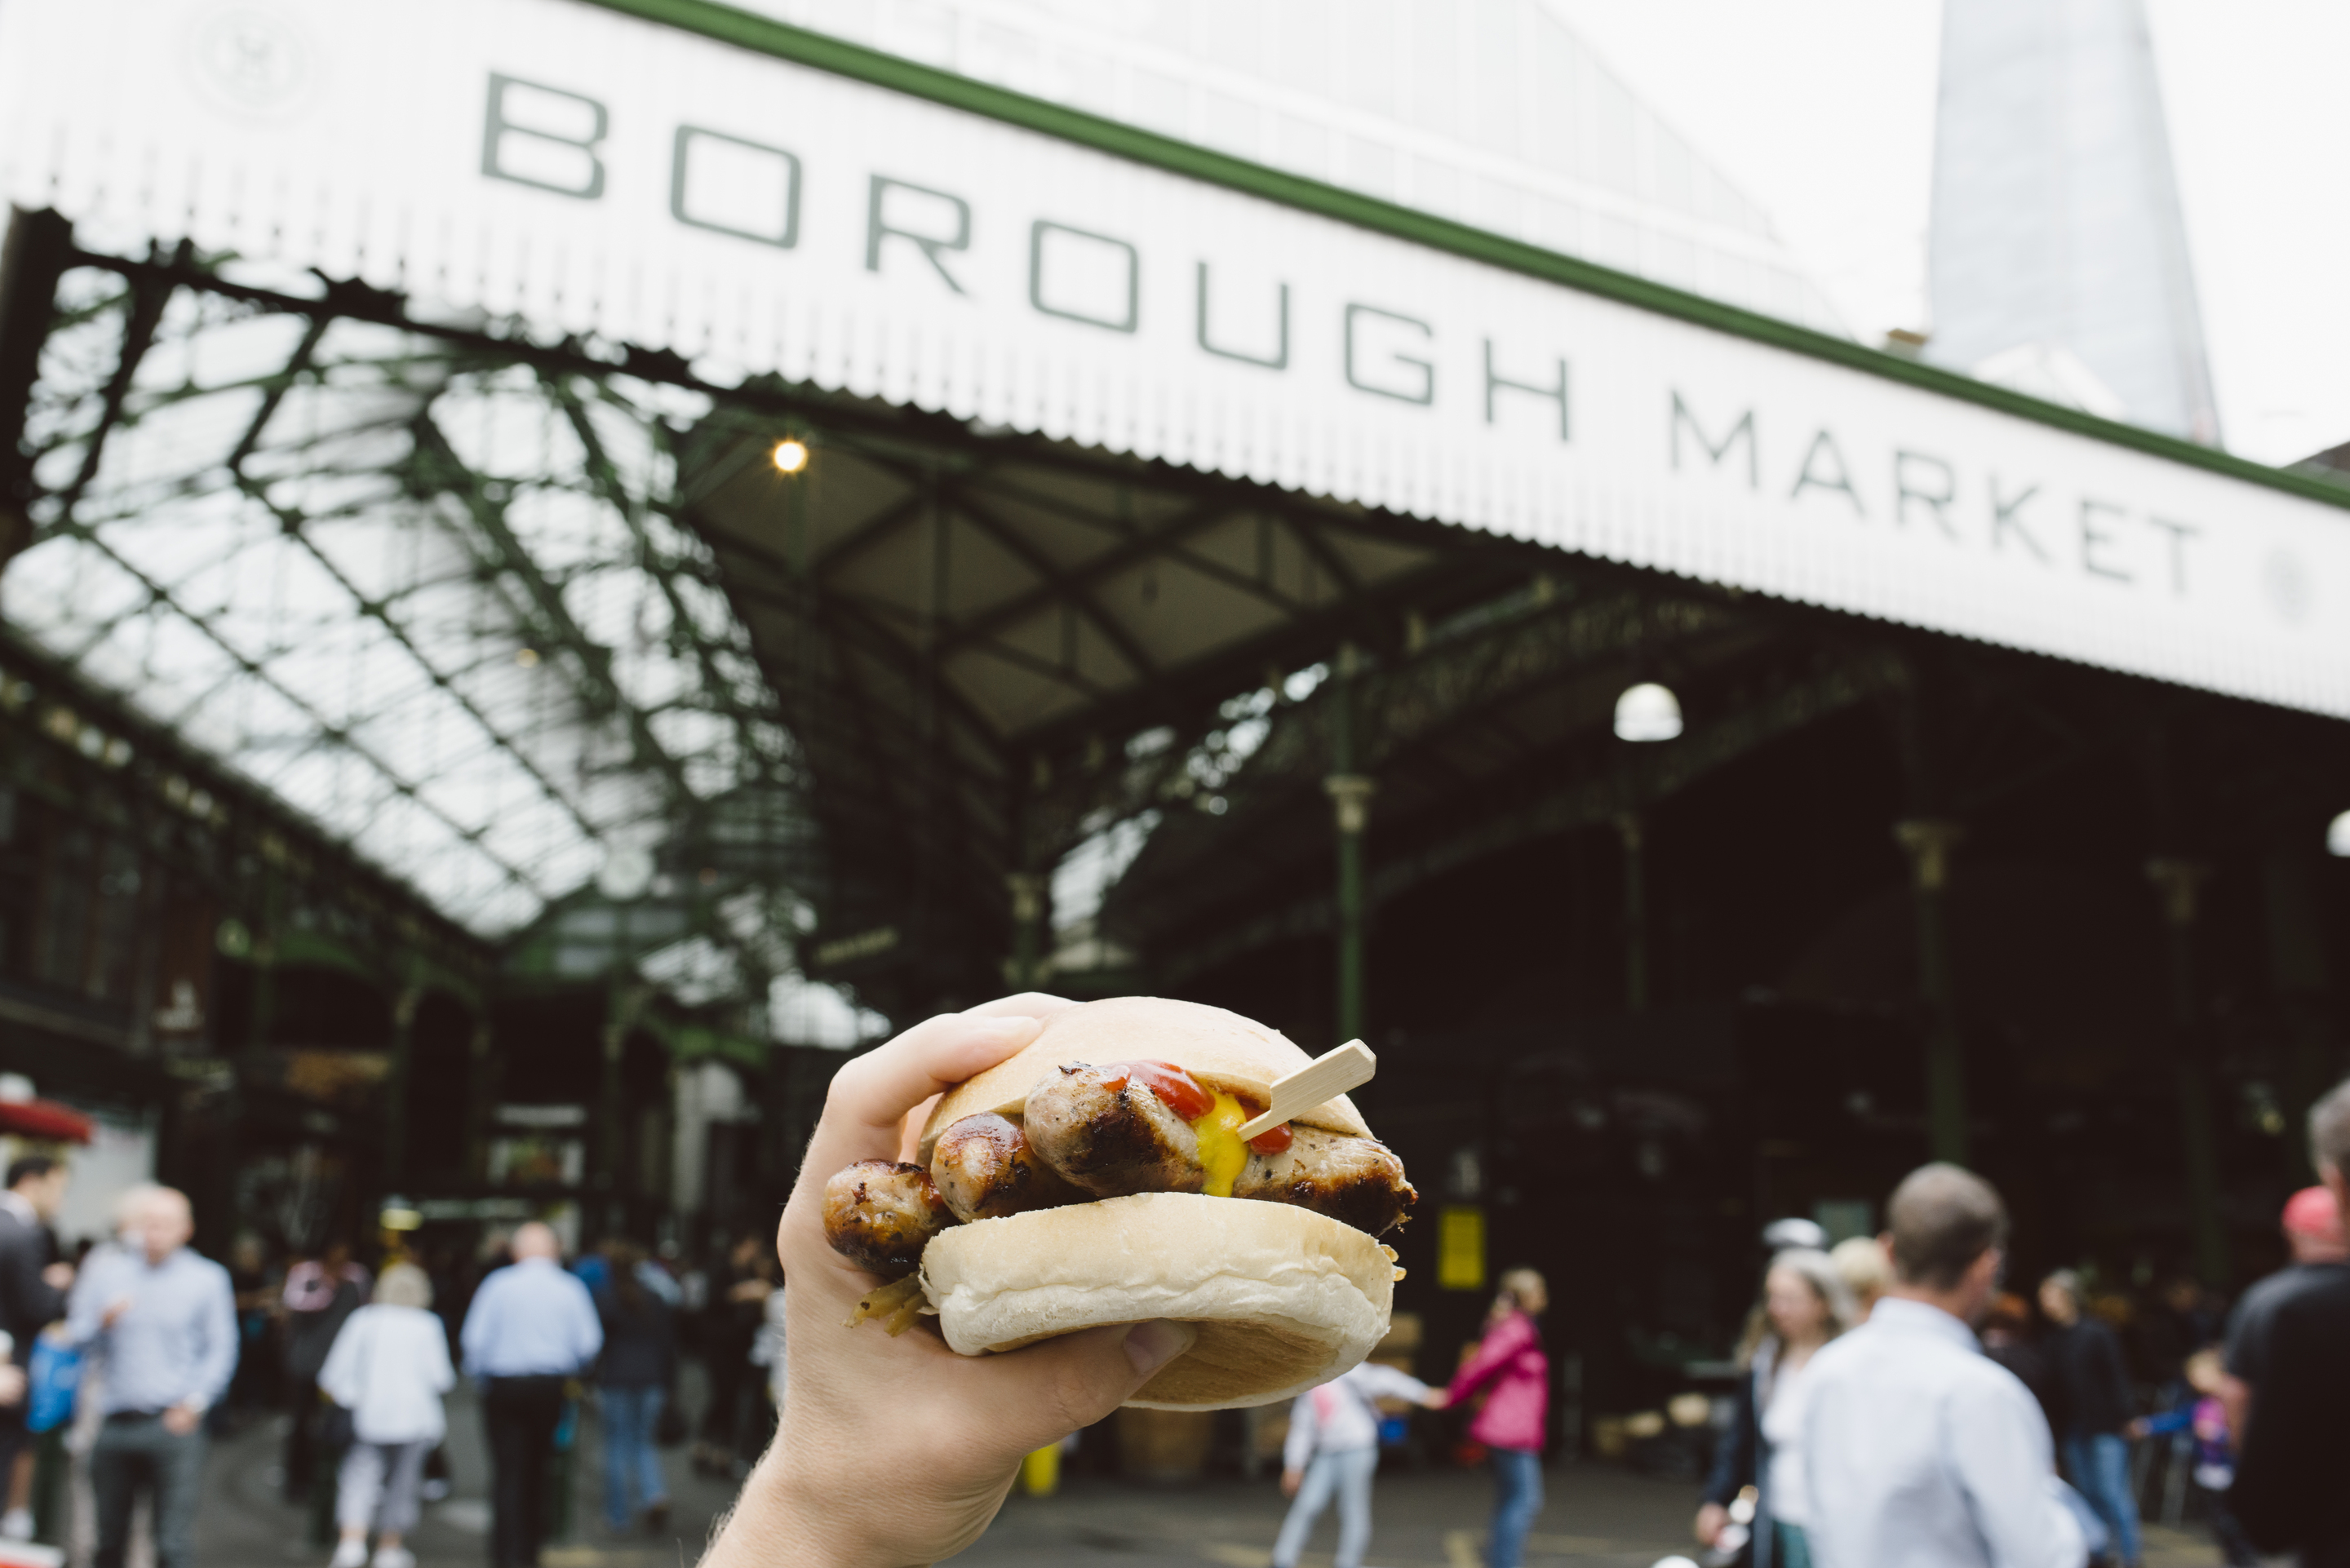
591,173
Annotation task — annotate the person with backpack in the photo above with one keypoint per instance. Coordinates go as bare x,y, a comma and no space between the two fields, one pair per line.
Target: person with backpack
632,1380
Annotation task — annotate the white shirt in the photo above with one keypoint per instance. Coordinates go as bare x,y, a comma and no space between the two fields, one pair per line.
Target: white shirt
1783,1429
1920,1451
1339,1417
389,1368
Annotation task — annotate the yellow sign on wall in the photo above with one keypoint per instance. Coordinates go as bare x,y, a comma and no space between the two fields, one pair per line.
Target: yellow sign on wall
1461,1249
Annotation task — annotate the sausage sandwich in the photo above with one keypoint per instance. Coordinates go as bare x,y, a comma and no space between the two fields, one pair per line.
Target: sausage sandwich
1098,1177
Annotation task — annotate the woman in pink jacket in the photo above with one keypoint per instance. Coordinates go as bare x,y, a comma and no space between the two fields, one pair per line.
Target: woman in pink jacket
1509,1361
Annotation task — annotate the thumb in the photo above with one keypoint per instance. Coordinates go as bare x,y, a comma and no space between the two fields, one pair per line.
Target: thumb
1076,1380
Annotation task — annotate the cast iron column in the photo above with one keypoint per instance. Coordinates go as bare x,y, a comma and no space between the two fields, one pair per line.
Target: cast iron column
395,1088
1631,828
2180,882
1350,798
1027,935
1929,842
481,1085
2297,979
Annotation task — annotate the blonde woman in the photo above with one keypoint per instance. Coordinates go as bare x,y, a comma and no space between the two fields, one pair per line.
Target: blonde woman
389,1368
1866,1274
1509,1368
1805,1303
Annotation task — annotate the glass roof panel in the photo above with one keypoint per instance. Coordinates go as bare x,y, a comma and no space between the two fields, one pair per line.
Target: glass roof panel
432,601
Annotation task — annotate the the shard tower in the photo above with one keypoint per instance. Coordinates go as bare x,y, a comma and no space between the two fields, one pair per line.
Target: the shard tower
2058,259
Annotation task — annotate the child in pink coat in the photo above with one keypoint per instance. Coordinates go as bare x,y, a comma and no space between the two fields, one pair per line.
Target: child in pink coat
1509,1363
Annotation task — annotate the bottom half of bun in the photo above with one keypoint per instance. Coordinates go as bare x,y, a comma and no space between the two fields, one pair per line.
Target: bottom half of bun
1284,1298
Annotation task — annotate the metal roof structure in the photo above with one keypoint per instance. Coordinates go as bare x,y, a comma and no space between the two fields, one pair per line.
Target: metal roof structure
522,607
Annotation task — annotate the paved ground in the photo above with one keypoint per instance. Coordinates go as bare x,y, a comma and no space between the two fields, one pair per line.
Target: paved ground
1594,1515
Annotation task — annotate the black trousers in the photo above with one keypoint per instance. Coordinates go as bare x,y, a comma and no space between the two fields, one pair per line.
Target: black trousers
521,1415
135,1453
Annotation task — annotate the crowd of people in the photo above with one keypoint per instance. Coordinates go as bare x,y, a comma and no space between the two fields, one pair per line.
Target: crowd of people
1949,1422
1899,1407
155,1349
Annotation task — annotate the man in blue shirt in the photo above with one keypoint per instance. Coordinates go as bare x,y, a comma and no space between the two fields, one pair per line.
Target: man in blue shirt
166,1321
531,1328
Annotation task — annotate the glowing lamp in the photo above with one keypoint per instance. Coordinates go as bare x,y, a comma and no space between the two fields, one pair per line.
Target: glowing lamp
791,455
2338,835
1648,711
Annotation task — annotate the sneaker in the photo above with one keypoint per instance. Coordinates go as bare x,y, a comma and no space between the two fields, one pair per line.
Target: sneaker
349,1554
392,1557
17,1524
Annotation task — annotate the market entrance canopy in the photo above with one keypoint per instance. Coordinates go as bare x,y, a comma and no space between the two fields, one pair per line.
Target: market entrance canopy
667,175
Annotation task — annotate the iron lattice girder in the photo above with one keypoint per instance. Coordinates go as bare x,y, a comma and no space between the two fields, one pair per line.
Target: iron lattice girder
469,506
1597,795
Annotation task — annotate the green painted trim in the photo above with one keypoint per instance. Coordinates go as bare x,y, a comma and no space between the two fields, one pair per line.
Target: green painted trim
692,1041
312,950
761,35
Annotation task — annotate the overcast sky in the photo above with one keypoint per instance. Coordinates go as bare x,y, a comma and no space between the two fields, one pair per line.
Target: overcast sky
1823,110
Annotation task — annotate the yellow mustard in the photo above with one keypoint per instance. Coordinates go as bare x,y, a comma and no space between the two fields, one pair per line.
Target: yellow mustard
1221,1152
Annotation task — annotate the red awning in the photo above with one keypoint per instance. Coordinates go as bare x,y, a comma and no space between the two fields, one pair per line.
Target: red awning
44,1119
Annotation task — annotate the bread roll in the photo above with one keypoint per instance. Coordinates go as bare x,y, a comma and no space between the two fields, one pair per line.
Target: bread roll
1284,1298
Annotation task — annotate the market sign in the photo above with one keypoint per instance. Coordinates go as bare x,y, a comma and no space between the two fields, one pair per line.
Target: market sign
591,173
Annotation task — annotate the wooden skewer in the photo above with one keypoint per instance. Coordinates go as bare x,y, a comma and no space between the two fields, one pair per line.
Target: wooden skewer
1325,1077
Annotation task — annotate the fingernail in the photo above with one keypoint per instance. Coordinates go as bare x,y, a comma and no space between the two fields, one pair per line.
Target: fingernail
1153,1345
1018,1027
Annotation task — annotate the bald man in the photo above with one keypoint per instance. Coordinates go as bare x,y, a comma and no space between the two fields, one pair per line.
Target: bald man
532,1327
165,1320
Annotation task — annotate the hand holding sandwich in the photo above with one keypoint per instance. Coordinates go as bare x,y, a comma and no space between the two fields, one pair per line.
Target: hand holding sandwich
895,1450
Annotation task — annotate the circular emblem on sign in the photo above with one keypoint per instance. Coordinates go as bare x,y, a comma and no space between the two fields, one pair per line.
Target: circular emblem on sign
250,60
2284,583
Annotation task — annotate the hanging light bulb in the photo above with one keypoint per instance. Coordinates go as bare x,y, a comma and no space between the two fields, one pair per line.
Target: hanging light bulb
2338,835
1648,711
791,455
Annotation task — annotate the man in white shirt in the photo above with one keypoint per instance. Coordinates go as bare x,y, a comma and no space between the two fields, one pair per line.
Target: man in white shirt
1921,1451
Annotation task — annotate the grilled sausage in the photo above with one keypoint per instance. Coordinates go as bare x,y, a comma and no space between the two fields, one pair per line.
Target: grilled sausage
1357,1181
985,1169
1107,1133
880,1214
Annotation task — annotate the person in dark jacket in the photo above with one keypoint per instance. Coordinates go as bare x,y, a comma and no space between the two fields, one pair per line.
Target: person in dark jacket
2288,1493
321,1291
2006,1334
2093,1396
1805,1303
32,1296
632,1378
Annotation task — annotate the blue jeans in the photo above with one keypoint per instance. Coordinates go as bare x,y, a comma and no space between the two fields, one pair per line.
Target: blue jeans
1350,1473
1517,1498
2098,1463
631,1460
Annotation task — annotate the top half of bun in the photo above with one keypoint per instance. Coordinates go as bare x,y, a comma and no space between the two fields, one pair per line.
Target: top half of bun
1222,1050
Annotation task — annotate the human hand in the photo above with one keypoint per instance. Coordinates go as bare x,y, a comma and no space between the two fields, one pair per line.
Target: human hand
898,1450
58,1276
750,1290
113,1313
181,1419
12,1384
1436,1399
2136,1429
1291,1481
1710,1520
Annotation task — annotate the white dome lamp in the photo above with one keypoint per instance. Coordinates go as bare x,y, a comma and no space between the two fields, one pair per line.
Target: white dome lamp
1648,711
2338,835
